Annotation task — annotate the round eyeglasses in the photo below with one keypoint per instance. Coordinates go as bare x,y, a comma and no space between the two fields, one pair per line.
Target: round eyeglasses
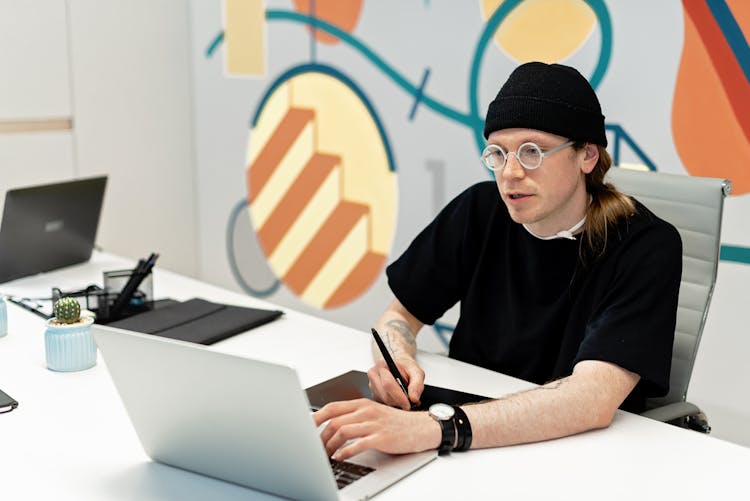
529,155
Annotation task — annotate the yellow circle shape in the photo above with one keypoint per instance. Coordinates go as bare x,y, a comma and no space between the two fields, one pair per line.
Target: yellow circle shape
321,192
542,30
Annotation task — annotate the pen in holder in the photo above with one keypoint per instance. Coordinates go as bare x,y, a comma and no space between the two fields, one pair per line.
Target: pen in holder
140,299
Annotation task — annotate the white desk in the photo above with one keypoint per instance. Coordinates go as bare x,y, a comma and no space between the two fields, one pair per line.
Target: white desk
70,438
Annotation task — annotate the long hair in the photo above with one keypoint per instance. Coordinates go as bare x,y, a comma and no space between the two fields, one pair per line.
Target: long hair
608,205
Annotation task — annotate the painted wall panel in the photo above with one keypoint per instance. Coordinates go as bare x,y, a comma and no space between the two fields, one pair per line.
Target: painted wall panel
132,107
34,158
34,60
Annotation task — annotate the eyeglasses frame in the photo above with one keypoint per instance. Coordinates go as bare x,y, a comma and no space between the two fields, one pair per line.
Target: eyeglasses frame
506,154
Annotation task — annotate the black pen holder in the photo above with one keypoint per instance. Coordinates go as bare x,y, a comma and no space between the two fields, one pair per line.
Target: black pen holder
89,298
114,281
100,300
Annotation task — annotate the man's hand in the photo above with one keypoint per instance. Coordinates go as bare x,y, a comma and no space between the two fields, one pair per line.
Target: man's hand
385,389
398,329
371,425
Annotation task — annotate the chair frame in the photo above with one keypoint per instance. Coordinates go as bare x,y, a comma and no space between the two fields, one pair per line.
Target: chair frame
649,188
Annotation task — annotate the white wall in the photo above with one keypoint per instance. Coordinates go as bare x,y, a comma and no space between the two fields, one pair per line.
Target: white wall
120,71
34,86
132,107
721,375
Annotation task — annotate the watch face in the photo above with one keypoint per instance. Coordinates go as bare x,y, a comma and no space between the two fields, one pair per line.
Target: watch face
443,412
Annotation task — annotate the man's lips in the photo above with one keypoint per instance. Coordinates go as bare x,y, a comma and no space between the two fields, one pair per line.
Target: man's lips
517,196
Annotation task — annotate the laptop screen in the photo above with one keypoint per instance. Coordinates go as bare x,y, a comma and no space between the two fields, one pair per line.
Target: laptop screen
49,226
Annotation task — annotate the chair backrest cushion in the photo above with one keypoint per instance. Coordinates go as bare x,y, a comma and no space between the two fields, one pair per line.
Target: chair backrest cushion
694,206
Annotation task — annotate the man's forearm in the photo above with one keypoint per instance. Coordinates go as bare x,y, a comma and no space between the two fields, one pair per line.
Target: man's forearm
398,328
583,401
398,337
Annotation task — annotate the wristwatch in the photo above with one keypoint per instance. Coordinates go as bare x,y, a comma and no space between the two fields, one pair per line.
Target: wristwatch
444,414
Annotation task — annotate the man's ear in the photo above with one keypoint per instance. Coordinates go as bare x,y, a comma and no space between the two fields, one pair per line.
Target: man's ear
590,157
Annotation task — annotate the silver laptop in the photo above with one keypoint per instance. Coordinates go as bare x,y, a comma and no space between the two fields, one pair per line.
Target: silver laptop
49,226
236,419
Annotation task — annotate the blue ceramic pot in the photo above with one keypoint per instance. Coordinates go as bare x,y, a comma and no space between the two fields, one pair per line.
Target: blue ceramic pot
70,347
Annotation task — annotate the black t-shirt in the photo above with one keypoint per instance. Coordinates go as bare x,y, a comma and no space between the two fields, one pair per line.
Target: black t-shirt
533,308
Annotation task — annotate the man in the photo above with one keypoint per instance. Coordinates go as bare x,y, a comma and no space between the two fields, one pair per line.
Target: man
562,280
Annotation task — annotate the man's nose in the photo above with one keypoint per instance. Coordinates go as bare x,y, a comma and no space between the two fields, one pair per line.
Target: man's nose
513,168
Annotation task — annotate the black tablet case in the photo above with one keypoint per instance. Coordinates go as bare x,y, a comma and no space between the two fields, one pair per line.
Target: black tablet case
197,320
354,384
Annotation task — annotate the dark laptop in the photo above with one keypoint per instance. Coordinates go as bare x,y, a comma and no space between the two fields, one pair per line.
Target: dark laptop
49,226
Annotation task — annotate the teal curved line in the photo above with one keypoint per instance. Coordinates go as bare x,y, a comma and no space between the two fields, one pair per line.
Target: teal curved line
733,34
489,30
333,72
400,80
605,53
218,39
375,59
473,118
735,253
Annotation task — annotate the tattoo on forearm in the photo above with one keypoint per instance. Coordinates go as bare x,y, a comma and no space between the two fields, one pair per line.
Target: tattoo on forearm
403,329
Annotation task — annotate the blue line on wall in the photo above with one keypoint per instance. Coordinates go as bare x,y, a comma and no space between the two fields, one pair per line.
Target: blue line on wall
369,54
214,44
332,72
313,30
621,135
399,79
419,94
732,32
605,52
735,253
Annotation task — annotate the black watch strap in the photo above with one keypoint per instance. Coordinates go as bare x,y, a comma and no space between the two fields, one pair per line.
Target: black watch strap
448,436
463,430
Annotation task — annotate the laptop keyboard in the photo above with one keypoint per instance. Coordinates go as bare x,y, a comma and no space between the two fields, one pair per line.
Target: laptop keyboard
346,473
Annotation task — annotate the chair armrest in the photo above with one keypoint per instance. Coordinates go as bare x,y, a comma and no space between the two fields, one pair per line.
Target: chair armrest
673,411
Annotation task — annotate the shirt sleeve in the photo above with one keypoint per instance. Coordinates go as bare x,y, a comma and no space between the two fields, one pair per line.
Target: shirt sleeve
426,278
633,323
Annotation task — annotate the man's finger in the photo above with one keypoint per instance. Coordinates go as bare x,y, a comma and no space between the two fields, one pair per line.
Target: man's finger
329,411
416,384
353,449
395,395
345,433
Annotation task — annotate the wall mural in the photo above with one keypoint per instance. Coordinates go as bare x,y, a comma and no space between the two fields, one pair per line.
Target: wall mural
711,109
320,175
321,186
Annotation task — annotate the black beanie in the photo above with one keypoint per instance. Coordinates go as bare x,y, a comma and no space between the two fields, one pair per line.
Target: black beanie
549,97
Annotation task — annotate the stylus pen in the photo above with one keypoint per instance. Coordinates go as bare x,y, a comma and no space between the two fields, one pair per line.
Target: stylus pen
391,365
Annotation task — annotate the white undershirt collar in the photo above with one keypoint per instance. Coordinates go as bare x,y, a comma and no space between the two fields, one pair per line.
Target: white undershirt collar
569,233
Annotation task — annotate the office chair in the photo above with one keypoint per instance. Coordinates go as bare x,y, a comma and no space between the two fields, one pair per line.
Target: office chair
694,206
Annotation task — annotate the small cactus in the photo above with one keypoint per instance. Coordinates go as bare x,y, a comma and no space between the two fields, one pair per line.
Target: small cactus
67,310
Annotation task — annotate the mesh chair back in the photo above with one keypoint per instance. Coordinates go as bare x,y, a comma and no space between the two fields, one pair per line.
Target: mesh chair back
694,206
